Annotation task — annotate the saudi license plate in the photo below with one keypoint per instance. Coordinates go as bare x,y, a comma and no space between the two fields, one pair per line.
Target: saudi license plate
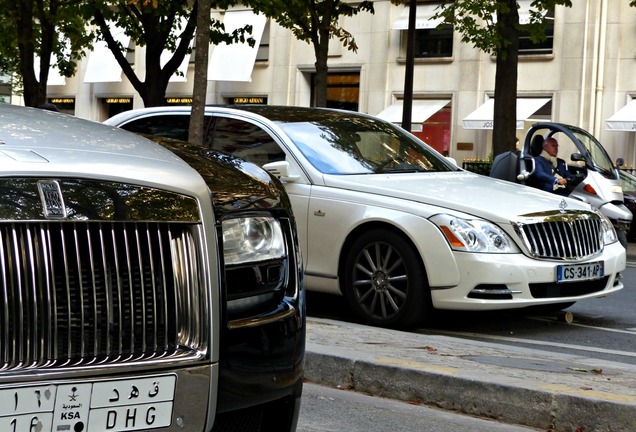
580,272
113,405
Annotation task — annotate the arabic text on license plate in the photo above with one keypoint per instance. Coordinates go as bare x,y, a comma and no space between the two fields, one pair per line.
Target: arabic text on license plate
580,272
113,405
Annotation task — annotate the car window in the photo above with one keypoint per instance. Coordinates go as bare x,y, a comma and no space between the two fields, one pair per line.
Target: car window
356,145
597,153
628,182
171,126
244,140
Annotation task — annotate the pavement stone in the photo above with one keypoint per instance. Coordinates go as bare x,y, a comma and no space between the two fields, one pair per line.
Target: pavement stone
544,390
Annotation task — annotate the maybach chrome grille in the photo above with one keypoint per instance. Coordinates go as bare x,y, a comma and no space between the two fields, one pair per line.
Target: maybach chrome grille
566,237
95,293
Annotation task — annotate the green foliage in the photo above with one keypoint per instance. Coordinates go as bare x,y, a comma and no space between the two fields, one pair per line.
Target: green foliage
314,22
162,22
59,20
157,26
476,21
65,28
311,20
493,27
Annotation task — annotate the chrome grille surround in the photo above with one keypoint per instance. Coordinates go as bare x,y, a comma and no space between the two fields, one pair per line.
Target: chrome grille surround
94,293
573,235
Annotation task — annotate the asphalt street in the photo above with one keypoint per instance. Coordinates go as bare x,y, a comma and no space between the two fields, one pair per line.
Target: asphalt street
531,387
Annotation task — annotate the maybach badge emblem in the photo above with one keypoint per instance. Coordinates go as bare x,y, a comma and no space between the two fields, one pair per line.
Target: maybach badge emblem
52,199
563,205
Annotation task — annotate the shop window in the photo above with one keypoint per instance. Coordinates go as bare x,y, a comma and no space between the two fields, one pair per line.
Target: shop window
343,90
117,105
434,42
63,105
436,131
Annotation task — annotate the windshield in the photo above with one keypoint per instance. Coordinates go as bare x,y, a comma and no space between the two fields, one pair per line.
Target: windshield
596,152
575,140
358,145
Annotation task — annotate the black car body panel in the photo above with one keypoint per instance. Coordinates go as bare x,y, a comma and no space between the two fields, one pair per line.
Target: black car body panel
121,269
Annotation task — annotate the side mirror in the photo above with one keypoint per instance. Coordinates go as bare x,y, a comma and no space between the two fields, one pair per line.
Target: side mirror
577,157
281,170
451,160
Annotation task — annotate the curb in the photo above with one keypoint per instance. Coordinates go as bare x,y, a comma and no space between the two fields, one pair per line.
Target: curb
555,399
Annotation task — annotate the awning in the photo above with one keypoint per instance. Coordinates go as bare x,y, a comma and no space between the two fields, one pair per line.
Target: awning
183,67
422,18
102,66
166,55
482,117
624,119
421,110
55,77
235,62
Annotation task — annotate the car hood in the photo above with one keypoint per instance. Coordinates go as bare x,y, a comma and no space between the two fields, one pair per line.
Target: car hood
229,178
35,143
486,197
42,143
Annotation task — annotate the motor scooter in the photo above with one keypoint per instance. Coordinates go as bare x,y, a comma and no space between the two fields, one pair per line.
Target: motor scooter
596,180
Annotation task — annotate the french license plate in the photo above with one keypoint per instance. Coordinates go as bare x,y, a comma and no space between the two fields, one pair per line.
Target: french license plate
580,272
114,406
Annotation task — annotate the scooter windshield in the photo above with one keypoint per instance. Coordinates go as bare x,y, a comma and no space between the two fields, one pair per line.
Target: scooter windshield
596,154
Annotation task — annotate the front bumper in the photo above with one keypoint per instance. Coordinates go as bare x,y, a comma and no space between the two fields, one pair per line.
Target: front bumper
518,281
261,371
98,400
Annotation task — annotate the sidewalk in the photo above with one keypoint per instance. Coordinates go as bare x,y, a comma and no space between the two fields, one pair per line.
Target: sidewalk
544,390
548,391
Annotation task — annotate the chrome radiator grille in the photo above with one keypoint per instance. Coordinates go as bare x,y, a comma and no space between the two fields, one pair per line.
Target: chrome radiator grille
568,237
89,293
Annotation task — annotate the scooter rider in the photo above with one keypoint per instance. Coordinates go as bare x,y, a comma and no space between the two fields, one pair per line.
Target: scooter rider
551,172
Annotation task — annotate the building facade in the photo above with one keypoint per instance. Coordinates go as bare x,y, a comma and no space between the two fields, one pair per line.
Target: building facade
582,75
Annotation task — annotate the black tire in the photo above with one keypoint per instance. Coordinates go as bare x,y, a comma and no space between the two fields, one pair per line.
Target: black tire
385,282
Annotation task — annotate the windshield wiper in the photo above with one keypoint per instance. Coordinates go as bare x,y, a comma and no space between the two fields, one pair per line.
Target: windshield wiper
410,169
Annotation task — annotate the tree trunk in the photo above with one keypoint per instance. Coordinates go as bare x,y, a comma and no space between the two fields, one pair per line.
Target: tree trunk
35,82
407,101
200,86
321,50
46,49
26,49
156,81
505,109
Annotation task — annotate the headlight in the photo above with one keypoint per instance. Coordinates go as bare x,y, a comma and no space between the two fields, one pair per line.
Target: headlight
252,239
473,235
608,231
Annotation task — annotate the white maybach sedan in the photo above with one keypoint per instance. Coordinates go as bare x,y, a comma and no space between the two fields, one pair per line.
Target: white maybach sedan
398,229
